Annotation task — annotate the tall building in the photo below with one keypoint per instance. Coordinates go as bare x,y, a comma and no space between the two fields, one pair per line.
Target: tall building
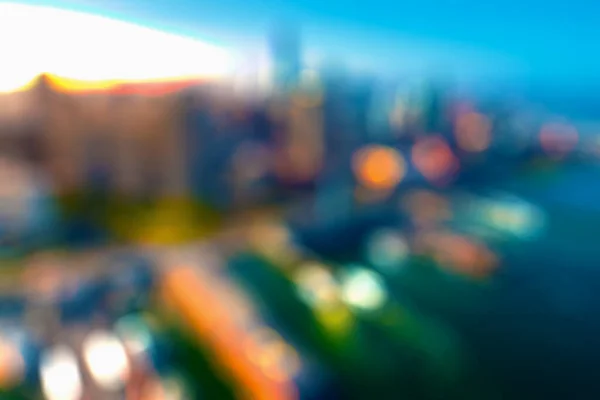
303,147
361,98
435,118
286,56
344,115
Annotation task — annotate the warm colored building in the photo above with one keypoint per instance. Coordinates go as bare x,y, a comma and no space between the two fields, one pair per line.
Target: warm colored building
303,143
124,137
20,119
166,140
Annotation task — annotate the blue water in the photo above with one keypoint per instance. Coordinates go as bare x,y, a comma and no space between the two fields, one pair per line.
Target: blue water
537,328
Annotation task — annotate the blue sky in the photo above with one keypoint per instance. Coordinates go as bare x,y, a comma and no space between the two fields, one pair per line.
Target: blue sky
542,40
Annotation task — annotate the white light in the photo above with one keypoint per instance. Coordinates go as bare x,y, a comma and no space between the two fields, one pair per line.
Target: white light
60,375
514,216
363,289
521,221
36,39
106,359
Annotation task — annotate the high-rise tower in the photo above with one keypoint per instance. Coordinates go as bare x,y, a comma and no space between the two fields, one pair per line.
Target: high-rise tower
286,55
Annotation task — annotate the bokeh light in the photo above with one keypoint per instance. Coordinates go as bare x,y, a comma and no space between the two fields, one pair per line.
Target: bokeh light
60,374
317,286
387,250
426,208
107,360
473,132
268,350
379,167
363,289
173,229
12,365
435,160
459,253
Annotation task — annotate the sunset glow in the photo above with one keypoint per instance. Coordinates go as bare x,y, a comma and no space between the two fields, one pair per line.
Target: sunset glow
105,52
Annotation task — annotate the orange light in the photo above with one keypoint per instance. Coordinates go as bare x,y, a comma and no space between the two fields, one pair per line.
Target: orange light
379,167
11,365
460,254
473,132
558,139
434,159
148,88
187,293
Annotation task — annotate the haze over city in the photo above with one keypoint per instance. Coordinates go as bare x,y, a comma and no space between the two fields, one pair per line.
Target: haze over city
467,39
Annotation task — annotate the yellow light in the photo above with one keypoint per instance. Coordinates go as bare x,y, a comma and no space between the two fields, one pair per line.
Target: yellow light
273,241
337,320
317,286
35,40
379,167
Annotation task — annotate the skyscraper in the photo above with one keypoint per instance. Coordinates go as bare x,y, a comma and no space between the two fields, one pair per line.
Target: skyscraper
362,96
286,55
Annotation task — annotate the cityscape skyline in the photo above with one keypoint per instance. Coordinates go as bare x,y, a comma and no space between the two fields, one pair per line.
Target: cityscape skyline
250,65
